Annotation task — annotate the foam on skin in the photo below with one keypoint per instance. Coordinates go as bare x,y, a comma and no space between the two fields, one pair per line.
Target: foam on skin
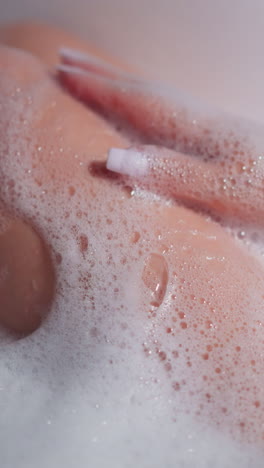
212,159
112,371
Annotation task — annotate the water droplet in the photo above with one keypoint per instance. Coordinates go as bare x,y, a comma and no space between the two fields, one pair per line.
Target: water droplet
162,355
183,325
71,190
83,243
155,277
241,234
205,356
135,237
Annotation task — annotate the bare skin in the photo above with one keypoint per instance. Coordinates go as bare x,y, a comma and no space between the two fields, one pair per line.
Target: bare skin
215,273
27,277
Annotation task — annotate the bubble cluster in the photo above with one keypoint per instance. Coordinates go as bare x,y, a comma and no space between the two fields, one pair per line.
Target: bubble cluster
155,332
222,171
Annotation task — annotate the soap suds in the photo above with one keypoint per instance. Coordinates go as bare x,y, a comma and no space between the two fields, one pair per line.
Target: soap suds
110,377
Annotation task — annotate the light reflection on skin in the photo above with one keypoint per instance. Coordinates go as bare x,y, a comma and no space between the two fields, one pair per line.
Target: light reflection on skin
192,240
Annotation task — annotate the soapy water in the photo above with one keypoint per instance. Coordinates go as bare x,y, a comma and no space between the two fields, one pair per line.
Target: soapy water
133,364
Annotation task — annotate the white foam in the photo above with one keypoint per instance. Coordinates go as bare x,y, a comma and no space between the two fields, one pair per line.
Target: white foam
91,385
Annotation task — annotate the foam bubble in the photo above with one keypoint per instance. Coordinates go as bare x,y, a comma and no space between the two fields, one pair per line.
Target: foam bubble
105,379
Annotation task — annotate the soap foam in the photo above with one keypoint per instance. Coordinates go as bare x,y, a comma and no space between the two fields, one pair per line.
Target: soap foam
94,384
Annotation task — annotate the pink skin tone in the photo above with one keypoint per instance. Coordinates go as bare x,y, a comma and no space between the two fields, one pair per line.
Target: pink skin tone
214,292
198,157
195,154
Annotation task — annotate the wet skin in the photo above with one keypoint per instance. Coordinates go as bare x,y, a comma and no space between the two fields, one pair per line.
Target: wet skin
209,310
